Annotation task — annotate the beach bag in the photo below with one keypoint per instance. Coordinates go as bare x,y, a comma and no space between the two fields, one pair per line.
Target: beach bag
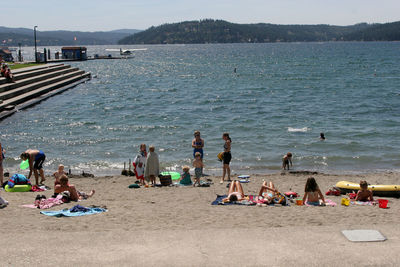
165,180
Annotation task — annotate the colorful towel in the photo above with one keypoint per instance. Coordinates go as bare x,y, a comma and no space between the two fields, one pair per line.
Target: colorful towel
328,202
46,203
363,203
69,213
218,201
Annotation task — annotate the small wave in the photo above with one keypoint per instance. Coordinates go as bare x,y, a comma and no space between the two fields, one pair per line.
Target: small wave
298,130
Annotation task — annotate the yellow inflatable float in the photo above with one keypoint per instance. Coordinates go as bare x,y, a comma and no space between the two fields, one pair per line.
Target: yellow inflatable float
378,190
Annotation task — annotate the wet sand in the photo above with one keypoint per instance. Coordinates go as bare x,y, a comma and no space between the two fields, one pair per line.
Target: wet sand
178,226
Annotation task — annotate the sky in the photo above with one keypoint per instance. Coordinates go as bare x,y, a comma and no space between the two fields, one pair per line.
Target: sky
105,15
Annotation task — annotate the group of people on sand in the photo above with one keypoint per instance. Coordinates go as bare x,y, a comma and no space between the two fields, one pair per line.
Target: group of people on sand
5,72
36,159
147,167
313,196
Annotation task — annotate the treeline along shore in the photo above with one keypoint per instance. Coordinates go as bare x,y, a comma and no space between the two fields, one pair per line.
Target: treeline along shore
219,31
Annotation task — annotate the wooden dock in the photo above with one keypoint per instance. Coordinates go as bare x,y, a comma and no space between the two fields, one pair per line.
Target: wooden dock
34,84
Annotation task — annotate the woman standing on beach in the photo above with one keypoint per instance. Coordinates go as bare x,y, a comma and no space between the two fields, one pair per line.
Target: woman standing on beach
197,144
36,159
227,157
139,163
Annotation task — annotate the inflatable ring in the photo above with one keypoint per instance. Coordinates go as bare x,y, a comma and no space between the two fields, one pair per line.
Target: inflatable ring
174,175
18,188
220,156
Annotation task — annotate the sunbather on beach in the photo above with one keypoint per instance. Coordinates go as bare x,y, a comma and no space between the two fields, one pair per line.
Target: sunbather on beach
36,159
235,192
75,195
270,194
312,193
57,175
364,194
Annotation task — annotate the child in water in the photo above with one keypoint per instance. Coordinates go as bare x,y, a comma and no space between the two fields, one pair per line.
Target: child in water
312,193
185,177
198,168
286,160
364,194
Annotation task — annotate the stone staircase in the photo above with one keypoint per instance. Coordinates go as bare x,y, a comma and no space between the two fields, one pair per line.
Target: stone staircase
34,84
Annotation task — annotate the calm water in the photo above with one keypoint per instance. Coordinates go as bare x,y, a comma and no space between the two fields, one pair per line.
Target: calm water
280,99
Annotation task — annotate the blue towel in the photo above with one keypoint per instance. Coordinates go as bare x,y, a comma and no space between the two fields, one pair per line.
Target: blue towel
69,213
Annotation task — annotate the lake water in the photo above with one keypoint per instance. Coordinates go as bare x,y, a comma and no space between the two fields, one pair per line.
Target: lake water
279,100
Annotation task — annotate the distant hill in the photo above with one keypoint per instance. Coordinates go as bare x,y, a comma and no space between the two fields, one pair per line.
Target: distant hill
219,31
13,36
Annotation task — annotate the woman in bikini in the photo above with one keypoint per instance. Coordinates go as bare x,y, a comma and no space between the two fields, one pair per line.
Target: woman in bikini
235,192
226,170
197,144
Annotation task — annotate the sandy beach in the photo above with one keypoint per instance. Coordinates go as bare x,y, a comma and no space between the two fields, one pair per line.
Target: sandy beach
178,226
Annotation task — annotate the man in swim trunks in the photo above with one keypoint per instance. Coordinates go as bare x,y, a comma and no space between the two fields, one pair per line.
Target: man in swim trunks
36,159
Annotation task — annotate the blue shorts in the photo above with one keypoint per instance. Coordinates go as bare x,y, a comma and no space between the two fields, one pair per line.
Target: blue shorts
39,159
313,203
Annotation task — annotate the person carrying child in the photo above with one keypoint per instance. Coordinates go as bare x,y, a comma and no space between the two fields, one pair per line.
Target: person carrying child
198,168
286,160
364,194
312,194
185,177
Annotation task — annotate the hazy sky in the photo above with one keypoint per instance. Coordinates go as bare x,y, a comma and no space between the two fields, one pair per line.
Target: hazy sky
96,15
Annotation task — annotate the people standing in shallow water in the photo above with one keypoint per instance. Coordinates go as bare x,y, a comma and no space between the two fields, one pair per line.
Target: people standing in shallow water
286,160
36,159
226,170
197,144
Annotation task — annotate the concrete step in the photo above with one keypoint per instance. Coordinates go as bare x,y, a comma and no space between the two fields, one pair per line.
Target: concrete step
55,72
29,95
24,74
41,83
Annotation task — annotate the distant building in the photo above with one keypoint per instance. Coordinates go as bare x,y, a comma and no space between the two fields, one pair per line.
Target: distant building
5,54
74,52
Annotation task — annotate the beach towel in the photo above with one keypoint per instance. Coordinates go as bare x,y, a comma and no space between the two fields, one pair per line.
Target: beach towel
363,203
74,212
218,201
46,203
328,202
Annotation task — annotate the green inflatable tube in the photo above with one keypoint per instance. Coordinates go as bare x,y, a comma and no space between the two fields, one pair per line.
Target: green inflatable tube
18,188
174,175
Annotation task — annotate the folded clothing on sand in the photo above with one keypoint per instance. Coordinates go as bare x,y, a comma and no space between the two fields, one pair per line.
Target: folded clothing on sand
74,211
